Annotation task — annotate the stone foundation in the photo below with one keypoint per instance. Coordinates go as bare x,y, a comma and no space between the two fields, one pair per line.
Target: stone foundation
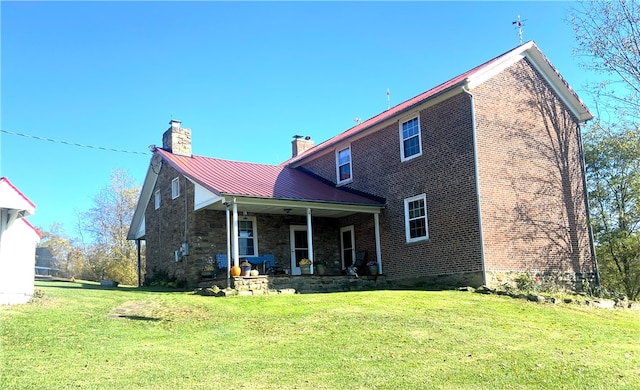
542,281
439,282
274,284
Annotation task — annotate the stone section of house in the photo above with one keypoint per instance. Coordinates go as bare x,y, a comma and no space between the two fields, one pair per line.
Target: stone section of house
364,233
177,139
167,228
175,222
300,145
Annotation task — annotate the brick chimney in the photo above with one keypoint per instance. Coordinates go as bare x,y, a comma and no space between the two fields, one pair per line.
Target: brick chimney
300,144
176,139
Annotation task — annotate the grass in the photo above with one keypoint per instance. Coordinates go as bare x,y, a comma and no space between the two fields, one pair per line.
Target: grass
82,336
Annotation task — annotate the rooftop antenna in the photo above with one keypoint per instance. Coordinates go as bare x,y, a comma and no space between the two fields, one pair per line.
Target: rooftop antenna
388,99
519,24
357,120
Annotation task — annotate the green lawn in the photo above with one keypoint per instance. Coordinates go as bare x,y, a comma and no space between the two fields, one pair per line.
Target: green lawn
82,336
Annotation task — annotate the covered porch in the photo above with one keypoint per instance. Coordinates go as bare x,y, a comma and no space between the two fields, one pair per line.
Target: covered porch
290,230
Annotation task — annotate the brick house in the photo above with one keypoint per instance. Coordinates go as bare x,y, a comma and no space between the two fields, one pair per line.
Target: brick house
472,182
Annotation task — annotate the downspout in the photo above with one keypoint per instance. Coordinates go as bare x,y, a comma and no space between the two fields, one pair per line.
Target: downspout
477,174
592,246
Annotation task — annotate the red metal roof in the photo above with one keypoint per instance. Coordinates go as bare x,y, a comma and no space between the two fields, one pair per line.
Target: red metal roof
6,180
433,92
32,227
226,177
392,111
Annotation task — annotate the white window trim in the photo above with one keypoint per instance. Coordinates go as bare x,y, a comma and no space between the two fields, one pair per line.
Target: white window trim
350,179
255,236
157,199
403,158
175,188
407,230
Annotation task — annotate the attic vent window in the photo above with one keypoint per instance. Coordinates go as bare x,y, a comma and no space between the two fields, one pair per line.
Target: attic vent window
157,199
343,165
175,188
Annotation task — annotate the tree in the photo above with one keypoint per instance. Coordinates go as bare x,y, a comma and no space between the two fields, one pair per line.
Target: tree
612,158
608,37
111,255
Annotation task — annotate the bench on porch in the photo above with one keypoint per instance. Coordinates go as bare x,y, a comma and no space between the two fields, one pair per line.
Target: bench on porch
267,261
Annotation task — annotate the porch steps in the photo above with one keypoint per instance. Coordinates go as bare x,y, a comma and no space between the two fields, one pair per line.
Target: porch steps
303,284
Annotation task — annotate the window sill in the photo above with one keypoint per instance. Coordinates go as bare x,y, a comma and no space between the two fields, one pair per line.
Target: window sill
418,241
407,159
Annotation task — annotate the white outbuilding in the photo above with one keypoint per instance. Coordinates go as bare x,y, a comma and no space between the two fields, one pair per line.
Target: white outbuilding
18,241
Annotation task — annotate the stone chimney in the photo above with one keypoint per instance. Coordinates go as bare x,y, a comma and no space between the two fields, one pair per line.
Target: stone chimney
176,139
300,144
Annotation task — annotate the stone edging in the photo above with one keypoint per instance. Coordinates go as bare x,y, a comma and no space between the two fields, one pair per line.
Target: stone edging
600,303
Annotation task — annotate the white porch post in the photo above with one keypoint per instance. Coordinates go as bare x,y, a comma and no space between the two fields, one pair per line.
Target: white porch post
234,238
228,246
310,238
376,227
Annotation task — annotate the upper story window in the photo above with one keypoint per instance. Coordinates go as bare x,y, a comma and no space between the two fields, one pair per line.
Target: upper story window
247,237
157,199
415,218
411,143
343,165
175,188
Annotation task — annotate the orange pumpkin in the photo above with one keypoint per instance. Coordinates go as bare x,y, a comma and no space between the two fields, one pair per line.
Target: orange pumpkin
235,271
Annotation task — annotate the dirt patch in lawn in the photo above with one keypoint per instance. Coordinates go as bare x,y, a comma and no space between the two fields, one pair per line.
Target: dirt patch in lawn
137,310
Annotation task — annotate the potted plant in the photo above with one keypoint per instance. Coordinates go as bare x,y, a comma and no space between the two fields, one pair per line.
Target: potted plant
207,271
246,268
305,266
320,267
372,266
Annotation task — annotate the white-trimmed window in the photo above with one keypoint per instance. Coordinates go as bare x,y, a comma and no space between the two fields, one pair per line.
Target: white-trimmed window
175,188
410,139
157,199
415,218
343,165
247,237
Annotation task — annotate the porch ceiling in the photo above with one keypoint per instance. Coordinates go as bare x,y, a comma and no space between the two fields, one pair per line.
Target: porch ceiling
286,207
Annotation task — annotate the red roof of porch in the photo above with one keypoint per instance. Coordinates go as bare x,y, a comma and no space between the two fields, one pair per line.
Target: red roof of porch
226,177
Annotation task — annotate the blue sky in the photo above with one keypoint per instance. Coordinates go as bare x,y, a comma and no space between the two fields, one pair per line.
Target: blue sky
243,76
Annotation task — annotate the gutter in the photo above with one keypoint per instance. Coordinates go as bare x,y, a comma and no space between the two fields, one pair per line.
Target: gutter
477,177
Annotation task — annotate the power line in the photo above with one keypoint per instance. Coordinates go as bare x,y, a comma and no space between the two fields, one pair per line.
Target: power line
70,143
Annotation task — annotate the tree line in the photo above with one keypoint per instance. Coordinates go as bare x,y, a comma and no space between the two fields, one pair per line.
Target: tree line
102,250
608,42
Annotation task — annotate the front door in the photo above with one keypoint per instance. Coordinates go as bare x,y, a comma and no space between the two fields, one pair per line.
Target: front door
299,247
347,246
